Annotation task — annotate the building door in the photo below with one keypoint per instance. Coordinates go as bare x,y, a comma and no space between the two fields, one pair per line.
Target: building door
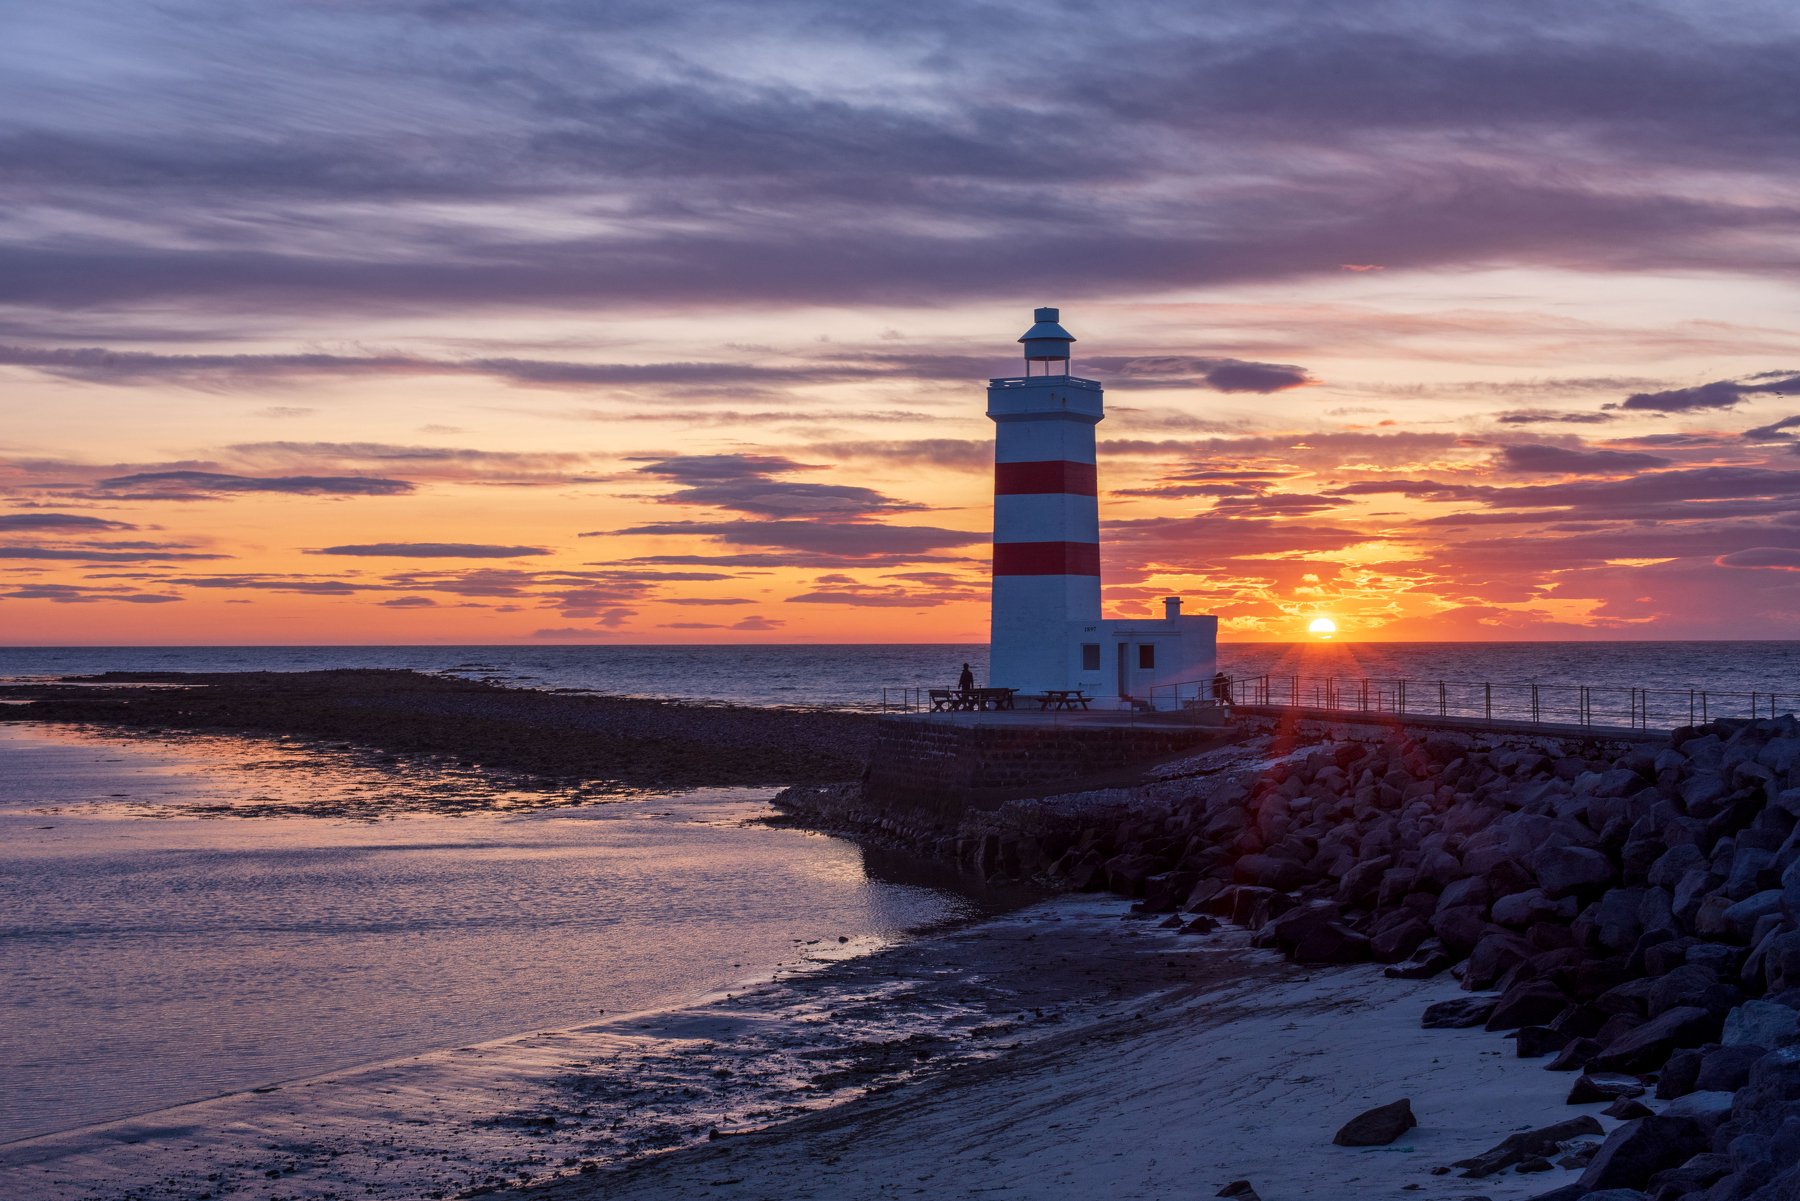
1124,669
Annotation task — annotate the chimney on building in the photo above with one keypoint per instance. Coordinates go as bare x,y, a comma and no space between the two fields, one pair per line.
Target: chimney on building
1171,608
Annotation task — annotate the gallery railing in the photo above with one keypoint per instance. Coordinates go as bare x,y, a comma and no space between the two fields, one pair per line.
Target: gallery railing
1549,704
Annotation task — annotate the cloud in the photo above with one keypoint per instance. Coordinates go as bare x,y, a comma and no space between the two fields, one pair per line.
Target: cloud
58,521
1773,432
207,485
845,541
409,602
1551,417
748,483
431,550
101,552
1568,460
1720,394
73,594
1779,558
1190,371
707,600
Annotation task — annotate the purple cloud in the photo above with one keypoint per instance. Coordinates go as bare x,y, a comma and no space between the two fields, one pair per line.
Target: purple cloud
1569,460
59,521
431,550
207,485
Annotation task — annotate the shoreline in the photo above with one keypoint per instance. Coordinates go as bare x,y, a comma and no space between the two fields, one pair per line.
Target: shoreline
1631,914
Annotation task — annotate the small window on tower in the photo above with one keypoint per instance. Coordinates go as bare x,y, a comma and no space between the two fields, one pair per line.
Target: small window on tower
1090,656
1146,656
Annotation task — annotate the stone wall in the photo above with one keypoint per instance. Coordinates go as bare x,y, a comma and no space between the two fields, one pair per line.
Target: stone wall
947,767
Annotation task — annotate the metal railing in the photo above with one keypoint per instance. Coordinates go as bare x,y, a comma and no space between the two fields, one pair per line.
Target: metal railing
1528,701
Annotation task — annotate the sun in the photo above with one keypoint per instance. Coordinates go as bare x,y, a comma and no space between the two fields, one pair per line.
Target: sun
1322,627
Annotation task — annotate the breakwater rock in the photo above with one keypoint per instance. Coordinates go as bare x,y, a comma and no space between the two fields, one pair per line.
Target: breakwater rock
1629,913
628,740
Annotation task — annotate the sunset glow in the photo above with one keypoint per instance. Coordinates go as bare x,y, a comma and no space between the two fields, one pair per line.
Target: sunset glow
427,359
1322,627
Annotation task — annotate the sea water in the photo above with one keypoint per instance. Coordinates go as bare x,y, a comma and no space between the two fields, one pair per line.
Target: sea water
187,918
854,676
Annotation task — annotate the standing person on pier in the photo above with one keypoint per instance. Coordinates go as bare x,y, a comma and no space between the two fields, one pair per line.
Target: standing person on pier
966,681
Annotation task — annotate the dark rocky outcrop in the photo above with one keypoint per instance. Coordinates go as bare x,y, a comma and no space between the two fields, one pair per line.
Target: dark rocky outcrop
1377,1127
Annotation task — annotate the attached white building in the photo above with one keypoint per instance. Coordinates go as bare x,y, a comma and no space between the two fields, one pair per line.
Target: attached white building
1048,632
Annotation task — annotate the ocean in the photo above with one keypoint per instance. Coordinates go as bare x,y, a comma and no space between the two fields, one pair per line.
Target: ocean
853,676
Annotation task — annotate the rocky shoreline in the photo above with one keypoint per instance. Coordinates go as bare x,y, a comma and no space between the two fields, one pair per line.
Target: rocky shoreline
1629,914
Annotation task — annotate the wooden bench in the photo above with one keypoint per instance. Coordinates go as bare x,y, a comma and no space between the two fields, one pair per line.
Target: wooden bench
1063,698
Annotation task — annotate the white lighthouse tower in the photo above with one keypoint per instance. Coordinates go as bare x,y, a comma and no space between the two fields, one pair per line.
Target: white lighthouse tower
1047,631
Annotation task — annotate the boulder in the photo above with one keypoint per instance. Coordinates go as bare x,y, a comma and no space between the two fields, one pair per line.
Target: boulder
1398,936
1638,1150
1675,863
1377,1127
1710,1108
1529,1004
1526,1144
1534,1041
1492,957
1691,1178
1459,1013
1725,1069
1739,919
1268,871
1528,908
1567,870
1774,1081
1470,890
1575,1056
1681,1073
1686,985
1459,929
1766,1024
1592,1087
1645,1047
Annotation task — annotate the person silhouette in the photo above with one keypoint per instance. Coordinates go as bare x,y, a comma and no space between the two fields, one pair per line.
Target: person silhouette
1221,688
966,681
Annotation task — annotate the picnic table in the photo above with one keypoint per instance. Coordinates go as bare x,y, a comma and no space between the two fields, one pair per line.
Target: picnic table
970,700
1063,698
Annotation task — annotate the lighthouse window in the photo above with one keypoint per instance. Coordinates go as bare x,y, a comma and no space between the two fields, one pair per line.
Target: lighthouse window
1146,655
1090,656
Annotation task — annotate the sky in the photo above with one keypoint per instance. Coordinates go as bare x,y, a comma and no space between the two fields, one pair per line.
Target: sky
475,321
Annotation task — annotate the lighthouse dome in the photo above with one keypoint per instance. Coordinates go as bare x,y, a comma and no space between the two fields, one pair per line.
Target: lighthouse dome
1046,340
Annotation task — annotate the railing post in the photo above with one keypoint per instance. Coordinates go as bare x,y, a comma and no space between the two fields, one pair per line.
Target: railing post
1365,694
1752,706
1487,695
1443,701
1703,717
1534,703
1400,696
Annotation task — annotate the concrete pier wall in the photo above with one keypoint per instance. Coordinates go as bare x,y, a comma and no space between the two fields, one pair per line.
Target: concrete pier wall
952,763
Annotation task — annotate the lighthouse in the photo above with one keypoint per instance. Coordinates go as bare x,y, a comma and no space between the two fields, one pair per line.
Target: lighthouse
1047,629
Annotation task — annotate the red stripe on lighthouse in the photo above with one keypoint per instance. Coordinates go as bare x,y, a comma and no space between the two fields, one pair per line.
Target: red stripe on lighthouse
1046,558
1050,476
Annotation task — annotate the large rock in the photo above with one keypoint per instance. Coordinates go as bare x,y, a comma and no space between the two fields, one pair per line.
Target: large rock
1460,1013
1725,1069
1767,1024
1638,1150
1267,871
1528,908
1739,920
1398,936
1496,954
1532,1003
1645,1047
1686,985
1567,870
1594,1087
1527,1144
1377,1127
1691,1178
